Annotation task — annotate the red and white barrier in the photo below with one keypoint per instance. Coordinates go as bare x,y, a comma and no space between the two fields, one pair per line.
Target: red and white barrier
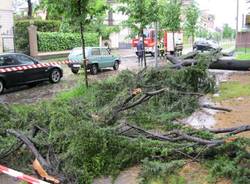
21,176
27,67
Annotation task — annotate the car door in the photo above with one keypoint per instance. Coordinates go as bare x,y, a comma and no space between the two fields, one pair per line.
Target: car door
96,57
14,77
107,58
31,74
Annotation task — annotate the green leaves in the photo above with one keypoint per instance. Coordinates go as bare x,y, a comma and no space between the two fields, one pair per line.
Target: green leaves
56,41
141,13
77,10
21,31
170,16
192,15
228,32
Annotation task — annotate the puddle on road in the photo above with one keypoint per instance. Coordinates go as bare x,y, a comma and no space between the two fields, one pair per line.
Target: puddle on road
206,118
203,118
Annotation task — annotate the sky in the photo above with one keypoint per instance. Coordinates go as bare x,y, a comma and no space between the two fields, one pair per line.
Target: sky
224,10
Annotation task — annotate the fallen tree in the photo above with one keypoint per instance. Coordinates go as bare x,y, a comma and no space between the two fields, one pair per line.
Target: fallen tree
177,135
84,136
216,60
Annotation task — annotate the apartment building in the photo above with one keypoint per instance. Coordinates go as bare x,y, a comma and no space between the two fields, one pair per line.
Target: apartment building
121,39
243,35
207,21
6,26
244,15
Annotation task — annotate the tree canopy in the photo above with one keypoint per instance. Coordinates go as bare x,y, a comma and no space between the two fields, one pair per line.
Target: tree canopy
170,15
141,13
228,32
192,16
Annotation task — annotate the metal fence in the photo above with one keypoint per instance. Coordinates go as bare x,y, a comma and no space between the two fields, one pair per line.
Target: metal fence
8,44
243,42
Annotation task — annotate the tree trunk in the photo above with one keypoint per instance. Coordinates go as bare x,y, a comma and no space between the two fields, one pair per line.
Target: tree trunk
174,42
192,40
143,48
83,45
29,8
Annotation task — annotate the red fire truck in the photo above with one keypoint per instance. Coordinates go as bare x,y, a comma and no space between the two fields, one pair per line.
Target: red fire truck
167,39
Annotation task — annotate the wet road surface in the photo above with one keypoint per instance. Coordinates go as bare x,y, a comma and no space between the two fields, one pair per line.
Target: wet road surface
45,90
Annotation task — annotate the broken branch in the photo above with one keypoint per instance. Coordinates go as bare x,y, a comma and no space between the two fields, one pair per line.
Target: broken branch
31,147
207,106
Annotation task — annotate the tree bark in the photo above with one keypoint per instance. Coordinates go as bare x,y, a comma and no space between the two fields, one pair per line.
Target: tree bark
207,106
83,45
173,136
232,131
143,48
174,42
30,8
32,148
127,104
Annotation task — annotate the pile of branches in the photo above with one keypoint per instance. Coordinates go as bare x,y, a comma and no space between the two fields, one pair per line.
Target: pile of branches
112,116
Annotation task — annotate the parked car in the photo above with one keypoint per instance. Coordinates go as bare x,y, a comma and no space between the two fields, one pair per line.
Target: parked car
97,58
205,45
29,76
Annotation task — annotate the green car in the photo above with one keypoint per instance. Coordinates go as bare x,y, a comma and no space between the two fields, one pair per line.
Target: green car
97,58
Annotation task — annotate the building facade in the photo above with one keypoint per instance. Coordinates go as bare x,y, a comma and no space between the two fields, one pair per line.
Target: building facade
244,16
6,26
207,21
121,39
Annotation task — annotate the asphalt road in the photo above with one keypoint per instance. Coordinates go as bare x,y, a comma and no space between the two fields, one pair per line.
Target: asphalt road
45,90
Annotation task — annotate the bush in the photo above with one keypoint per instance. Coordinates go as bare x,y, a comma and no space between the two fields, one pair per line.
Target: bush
55,41
21,31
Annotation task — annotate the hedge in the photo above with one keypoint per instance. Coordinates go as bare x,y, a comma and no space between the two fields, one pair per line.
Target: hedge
21,31
57,41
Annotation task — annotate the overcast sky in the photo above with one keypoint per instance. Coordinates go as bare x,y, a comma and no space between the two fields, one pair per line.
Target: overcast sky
224,10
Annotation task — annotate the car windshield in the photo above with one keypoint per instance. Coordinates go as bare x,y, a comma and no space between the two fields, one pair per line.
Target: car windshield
78,51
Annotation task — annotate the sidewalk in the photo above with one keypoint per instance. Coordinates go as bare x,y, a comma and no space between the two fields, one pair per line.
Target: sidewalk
124,53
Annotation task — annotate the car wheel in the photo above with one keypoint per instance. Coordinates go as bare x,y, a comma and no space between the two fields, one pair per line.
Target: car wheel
1,86
94,69
55,76
116,65
75,70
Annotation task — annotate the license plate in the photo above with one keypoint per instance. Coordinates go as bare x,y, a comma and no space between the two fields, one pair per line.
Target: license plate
76,66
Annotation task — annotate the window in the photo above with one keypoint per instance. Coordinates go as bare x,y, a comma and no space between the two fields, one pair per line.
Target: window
23,60
105,52
7,61
96,52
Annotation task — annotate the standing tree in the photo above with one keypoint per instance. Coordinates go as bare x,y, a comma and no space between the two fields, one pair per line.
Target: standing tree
170,16
82,13
190,25
228,32
51,9
30,8
17,3
141,13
